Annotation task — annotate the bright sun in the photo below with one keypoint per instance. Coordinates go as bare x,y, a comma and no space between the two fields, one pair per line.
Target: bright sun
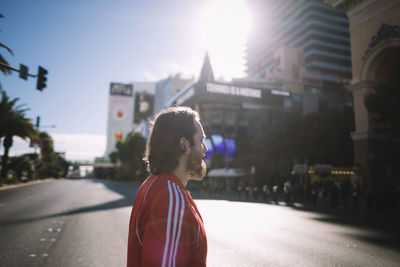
224,25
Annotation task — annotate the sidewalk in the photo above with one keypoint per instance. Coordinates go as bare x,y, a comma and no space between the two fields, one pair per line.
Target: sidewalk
38,181
324,205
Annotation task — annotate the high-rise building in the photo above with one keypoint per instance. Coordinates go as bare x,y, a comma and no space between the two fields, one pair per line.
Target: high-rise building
167,88
290,74
318,29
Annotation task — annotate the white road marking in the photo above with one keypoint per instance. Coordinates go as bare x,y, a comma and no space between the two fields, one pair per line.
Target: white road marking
42,239
32,255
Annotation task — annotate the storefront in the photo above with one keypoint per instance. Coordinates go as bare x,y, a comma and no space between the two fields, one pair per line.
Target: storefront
229,111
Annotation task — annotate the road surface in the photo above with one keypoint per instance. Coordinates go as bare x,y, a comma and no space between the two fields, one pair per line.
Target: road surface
85,223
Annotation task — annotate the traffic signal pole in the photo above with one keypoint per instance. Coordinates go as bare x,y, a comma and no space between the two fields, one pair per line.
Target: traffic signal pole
18,70
24,73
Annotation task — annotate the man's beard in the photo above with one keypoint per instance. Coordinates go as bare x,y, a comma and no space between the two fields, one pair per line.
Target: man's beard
196,168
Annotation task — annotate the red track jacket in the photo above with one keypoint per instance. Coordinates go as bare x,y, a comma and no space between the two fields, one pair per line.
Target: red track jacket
165,228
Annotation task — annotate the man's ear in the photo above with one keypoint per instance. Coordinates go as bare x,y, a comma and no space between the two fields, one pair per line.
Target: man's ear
183,144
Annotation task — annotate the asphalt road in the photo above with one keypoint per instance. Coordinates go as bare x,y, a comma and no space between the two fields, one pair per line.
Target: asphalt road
85,223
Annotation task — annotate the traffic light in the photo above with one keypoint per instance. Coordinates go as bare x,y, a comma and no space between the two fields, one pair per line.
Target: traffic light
41,78
37,122
23,71
118,136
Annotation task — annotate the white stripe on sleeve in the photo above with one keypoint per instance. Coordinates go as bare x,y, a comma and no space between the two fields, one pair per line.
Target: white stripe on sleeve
145,195
180,224
144,199
175,226
171,200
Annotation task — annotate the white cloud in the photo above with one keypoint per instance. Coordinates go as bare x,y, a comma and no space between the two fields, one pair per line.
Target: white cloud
80,146
148,76
75,146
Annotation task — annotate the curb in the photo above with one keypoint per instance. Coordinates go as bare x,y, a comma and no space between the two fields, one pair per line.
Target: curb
5,187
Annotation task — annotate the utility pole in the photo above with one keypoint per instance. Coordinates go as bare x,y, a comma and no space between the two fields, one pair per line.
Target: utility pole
38,126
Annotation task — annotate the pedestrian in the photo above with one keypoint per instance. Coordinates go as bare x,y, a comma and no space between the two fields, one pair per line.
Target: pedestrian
265,192
287,190
369,195
355,192
345,193
314,194
333,193
255,193
275,193
166,228
241,187
247,191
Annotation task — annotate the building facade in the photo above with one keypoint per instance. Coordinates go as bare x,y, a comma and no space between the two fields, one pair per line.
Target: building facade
290,74
316,28
231,111
167,88
375,48
120,114
128,104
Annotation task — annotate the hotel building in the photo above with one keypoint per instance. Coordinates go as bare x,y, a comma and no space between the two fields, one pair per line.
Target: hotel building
318,29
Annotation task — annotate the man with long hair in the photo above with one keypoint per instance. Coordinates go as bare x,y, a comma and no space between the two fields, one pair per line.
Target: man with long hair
166,228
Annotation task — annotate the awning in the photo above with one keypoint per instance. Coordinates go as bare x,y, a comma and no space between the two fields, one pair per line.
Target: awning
225,173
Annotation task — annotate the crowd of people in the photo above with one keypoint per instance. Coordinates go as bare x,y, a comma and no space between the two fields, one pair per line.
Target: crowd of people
328,193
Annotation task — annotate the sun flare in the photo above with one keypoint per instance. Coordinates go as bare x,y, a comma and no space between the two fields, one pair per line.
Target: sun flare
224,25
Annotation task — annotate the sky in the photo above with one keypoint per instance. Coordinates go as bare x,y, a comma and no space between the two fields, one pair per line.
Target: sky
87,44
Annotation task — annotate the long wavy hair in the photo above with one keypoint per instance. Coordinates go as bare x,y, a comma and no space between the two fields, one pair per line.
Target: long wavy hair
164,149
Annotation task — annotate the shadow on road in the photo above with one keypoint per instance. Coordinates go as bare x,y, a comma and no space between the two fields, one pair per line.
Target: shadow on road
382,229
126,190
381,240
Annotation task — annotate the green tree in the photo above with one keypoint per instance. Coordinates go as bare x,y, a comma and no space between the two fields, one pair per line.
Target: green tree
51,163
130,153
25,163
12,123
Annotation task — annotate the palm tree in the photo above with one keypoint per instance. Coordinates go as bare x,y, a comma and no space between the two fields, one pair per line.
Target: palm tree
12,123
2,59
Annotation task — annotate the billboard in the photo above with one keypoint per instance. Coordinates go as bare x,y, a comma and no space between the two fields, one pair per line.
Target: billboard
121,89
218,144
120,114
210,149
230,148
144,106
